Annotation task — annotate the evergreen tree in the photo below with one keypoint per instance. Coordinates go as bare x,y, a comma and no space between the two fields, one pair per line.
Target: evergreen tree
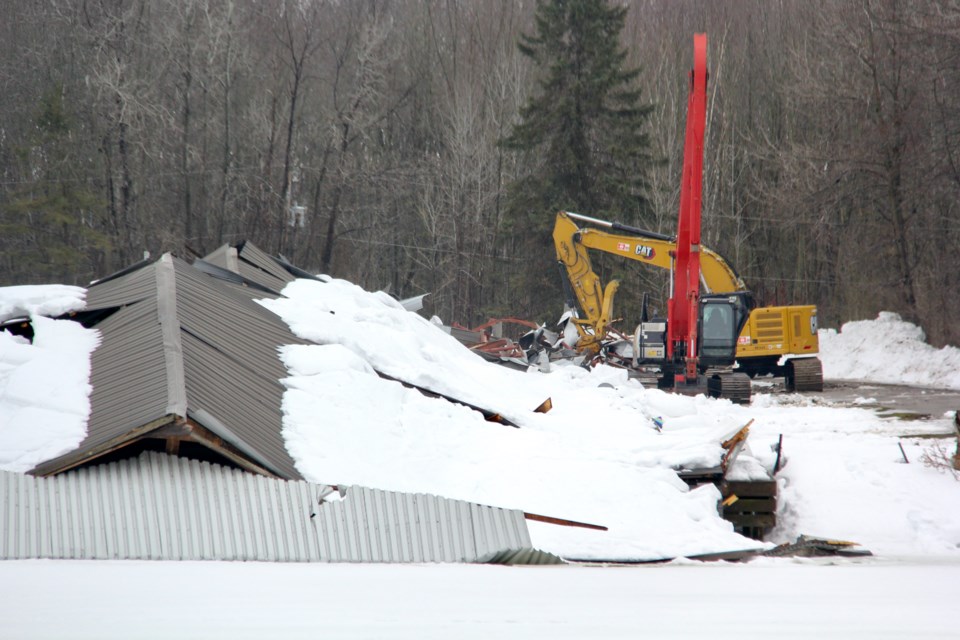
585,122
582,134
50,220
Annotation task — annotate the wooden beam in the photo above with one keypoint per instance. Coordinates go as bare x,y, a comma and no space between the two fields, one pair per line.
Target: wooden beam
73,460
202,435
562,522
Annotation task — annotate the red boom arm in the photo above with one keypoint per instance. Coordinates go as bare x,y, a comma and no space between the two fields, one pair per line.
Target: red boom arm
682,308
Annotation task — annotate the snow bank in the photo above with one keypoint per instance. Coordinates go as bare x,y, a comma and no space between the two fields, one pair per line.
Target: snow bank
888,350
43,299
44,388
596,457
861,489
783,598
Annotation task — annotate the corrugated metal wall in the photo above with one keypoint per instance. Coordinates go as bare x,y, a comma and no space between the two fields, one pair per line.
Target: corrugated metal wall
170,508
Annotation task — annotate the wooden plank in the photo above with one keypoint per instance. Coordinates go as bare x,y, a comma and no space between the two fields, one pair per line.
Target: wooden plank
488,415
545,406
75,459
751,519
749,489
752,505
738,437
563,522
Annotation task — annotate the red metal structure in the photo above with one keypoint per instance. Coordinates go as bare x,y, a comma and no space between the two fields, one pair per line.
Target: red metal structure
683,305
692,350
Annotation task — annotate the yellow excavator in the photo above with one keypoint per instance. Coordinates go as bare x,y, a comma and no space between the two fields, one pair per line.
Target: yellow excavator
781,341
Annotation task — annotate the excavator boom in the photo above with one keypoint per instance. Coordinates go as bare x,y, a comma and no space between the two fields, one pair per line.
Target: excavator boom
648,247
682,306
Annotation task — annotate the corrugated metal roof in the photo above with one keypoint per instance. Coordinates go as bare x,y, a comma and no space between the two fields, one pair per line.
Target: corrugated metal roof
194,347
251,263
122,290
258,266
165,507
225,257
129,385
256,290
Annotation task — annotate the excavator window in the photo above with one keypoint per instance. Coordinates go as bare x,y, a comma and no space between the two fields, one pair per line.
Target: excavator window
718,331
717,321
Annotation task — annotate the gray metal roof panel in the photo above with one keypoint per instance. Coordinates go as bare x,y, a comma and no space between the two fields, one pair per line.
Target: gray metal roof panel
232,364
252,263
126,289
253,255
234,278
255,274
243,400
225,257
232,322
168,314
128,380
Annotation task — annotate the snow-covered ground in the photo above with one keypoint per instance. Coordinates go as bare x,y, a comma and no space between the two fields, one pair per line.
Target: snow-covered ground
46,600
595,457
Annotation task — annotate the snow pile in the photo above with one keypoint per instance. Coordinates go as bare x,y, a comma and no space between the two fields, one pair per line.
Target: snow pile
596,457
402,344
889,350
41,299
44,386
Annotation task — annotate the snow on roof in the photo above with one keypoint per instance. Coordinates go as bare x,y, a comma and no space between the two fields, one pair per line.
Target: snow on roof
44,299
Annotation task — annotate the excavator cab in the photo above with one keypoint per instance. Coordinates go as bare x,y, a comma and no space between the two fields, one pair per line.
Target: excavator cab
722,317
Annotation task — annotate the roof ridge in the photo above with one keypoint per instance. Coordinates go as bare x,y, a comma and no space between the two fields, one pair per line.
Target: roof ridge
170,330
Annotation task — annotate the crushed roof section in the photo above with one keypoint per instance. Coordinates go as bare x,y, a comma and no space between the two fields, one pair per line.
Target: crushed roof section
252,263
190,350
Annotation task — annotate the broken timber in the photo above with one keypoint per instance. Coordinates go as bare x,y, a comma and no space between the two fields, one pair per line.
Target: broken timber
488,414
750,506
566,523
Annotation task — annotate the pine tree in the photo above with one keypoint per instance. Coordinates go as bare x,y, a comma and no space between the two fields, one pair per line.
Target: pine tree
585,124
50,219
582,135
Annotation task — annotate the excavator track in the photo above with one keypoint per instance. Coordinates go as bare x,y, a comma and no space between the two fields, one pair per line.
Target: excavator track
730,385
804,374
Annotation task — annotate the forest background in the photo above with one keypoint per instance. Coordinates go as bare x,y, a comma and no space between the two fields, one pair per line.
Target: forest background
364,139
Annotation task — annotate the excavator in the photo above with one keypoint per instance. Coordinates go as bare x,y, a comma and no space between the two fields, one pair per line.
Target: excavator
693,349
704,335
778,340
